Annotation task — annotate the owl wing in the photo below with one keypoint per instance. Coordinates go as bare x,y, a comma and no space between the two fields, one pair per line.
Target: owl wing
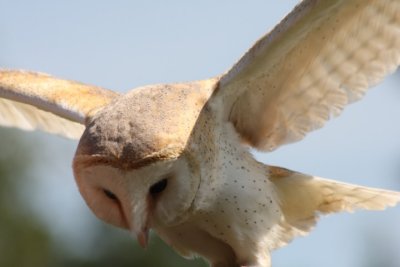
324,55
31,101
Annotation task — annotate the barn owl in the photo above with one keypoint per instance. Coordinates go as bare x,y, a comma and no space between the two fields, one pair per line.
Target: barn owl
175,157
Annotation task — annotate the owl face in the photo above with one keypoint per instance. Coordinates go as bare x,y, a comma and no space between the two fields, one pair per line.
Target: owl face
158,194
133,169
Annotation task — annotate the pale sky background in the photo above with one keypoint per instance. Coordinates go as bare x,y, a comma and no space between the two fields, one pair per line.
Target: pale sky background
124,44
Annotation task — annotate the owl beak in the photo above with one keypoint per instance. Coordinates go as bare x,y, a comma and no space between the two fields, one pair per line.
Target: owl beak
143,237
139,223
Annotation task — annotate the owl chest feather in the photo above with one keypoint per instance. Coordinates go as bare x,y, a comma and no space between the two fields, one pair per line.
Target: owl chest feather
236,206
239,206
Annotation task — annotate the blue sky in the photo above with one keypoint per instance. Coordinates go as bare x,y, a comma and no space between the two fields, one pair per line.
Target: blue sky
131,43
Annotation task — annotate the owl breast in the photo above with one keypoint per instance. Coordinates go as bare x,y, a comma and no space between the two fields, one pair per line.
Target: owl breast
236,207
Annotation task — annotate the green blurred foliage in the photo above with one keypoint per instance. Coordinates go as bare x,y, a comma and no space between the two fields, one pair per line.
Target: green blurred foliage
26,241
23,241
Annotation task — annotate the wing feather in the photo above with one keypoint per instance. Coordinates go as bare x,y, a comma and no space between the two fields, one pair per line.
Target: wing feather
30,101
304,198
321,57
29,118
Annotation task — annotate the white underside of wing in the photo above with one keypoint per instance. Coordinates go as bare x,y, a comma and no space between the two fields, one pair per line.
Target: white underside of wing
343,71
323,56
31,100
27,117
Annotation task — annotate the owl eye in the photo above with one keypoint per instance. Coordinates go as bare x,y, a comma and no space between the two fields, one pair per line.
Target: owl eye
110,194
158,187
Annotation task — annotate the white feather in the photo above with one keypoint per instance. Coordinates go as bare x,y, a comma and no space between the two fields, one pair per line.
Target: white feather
321,57
32,101
29,118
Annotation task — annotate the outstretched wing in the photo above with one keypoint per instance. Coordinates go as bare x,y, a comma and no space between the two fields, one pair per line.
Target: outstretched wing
31,101
324,55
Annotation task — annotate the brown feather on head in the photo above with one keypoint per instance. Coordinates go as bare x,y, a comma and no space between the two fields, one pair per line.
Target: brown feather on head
148,124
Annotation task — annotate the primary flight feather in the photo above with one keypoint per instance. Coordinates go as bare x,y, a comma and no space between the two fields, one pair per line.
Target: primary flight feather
175,157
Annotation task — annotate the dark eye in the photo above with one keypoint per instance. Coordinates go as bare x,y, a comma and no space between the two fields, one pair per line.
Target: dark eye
158,187
110,194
